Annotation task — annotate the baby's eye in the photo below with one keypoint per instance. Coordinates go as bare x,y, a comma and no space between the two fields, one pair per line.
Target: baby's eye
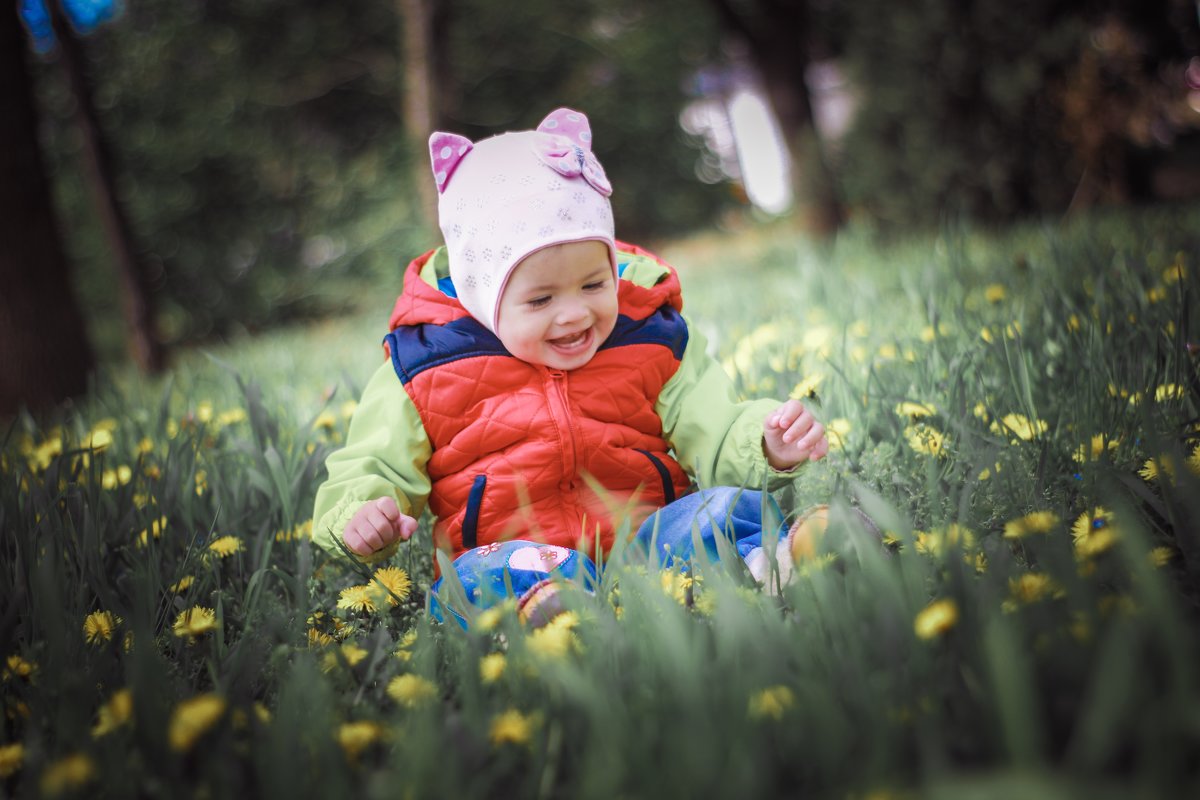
591,287
538,302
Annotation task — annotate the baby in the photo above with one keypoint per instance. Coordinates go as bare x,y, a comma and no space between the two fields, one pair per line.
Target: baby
542,386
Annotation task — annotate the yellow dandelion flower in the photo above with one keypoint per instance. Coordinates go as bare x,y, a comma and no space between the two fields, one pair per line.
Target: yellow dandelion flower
325,421
1168,391
193,718
155,531
67,774
231,417
145,446
261,713
1193,462
194,622
1156,294
510,727
1073,323
355,737
926,440
915,411
17,667
397,583
838,431
301,532
771,702
225,546
348,408
490,617
113,478
99,626
1012,330
1020,426
1093,532
1175,273
888,351
116,712
1161,556
939,540
317,638
994,293
45,452
411,691
12,756
182,585
985,333
98,440
980,411
927,334
1032,587
1036,522
807,387
1096,447
936,618
201,481
1161,467
357,598
491,667
554,639
349,651
676,585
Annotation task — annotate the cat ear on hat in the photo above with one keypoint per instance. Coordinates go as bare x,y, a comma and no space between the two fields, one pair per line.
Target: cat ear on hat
569,123
446,150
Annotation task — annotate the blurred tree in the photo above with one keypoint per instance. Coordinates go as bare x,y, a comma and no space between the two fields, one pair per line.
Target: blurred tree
136,300
623,62
780,38
44,347
422,32
993,110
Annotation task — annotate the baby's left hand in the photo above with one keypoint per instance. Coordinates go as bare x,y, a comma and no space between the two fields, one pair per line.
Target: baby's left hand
791,434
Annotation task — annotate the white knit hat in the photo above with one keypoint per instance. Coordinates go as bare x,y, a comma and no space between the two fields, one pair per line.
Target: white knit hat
504,198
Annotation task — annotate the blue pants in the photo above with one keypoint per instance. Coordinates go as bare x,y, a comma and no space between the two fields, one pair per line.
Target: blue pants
492,572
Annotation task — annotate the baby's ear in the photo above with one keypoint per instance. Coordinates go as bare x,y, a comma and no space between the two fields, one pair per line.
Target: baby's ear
445,152
571,124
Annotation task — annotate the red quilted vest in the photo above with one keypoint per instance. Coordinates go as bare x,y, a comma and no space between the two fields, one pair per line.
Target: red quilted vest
524,451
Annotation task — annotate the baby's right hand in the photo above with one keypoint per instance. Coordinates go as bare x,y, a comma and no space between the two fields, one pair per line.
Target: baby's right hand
376,525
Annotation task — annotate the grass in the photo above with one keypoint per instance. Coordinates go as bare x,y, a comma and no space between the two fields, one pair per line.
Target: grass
1017,409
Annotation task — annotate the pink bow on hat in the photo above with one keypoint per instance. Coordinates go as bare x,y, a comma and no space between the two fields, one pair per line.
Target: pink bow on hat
570,160
565,145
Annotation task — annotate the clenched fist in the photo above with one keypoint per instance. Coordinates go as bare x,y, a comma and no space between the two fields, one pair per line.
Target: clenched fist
377,524
791,434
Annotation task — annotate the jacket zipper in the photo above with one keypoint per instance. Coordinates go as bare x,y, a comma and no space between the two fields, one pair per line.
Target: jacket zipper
560,409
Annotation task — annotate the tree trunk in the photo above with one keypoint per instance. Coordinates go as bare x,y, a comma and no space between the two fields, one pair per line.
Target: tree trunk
144,344
419,107
777,45
45,355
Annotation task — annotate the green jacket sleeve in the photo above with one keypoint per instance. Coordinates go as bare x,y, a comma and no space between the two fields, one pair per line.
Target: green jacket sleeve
717,439
386,454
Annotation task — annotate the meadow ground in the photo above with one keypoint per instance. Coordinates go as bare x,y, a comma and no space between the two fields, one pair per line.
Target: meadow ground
1018,410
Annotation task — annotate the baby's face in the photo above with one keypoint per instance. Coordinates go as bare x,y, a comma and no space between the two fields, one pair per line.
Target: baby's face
559,305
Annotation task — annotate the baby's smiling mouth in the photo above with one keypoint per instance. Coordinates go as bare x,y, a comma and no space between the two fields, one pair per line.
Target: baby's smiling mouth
570,340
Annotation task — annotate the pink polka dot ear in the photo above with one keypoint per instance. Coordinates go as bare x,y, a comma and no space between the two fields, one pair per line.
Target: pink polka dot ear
571,124
446,150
